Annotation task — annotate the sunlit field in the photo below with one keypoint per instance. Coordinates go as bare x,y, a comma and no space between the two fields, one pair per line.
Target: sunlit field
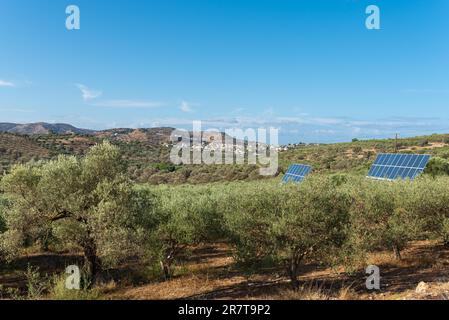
235,239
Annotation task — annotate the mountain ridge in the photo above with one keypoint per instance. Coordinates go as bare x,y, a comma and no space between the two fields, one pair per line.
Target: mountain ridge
37,128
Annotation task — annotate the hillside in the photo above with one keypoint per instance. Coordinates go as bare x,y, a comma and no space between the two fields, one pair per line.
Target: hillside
147,151
357,156
42,128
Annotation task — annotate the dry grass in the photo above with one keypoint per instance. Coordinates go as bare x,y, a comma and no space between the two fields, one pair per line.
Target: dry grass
210,272
214,277
313,291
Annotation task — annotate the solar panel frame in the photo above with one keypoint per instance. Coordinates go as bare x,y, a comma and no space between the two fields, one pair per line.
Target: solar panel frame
392,166
296,173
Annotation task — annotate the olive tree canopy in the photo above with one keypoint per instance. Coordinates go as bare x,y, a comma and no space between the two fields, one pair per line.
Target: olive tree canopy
88,202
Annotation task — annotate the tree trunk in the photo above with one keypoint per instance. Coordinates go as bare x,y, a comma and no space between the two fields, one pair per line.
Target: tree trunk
166,270
293,268
168,261
397,252
92,261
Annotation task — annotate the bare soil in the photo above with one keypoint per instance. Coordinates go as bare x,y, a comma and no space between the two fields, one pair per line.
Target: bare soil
210,272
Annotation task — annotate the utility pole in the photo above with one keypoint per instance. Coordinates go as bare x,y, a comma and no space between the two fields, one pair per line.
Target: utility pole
396,144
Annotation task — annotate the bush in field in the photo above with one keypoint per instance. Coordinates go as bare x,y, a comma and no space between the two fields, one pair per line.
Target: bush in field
313,225
185,216
58,291
429,199
437,166
248,216
382,215
88,202
292,224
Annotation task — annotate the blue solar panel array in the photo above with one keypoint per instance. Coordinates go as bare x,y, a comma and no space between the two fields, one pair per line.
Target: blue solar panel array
398,166
296,173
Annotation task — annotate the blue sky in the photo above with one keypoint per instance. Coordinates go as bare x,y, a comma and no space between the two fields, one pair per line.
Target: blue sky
307,67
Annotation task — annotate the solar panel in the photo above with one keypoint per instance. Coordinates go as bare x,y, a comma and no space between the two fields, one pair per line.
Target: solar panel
398,166
296,173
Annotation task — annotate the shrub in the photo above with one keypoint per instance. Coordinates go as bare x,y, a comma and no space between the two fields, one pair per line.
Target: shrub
437,166
357,149
36,283
430,202
58,291
424,143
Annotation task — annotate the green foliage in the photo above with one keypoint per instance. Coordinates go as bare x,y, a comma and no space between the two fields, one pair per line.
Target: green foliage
291,224
382,216
147,153
36,283
88,202
3,209
424,143
185,217
437,166
357,149
429,199
167,167
58,291
248,215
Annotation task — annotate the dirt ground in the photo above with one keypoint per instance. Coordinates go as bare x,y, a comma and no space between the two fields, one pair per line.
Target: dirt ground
210,272
215,277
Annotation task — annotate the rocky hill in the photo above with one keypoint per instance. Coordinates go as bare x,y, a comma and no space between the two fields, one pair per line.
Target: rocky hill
42,128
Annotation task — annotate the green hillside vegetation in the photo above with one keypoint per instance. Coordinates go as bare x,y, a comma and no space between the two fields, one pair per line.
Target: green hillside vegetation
147,157
147,154
357,156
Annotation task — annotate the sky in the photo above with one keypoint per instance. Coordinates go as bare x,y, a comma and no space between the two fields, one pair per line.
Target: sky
310,68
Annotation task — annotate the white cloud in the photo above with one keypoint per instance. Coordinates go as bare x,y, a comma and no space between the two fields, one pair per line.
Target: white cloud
4,83
17,110
323,131
88,94
304,128
318,125
131,104
425,91
186,107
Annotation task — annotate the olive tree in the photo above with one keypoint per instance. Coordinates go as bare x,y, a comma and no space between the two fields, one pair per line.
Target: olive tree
429,201
248,216
185,216
292,224
313,225
383,215
88,202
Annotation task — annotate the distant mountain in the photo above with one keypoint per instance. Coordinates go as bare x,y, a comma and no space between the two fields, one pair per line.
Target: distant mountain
42,128
149,136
